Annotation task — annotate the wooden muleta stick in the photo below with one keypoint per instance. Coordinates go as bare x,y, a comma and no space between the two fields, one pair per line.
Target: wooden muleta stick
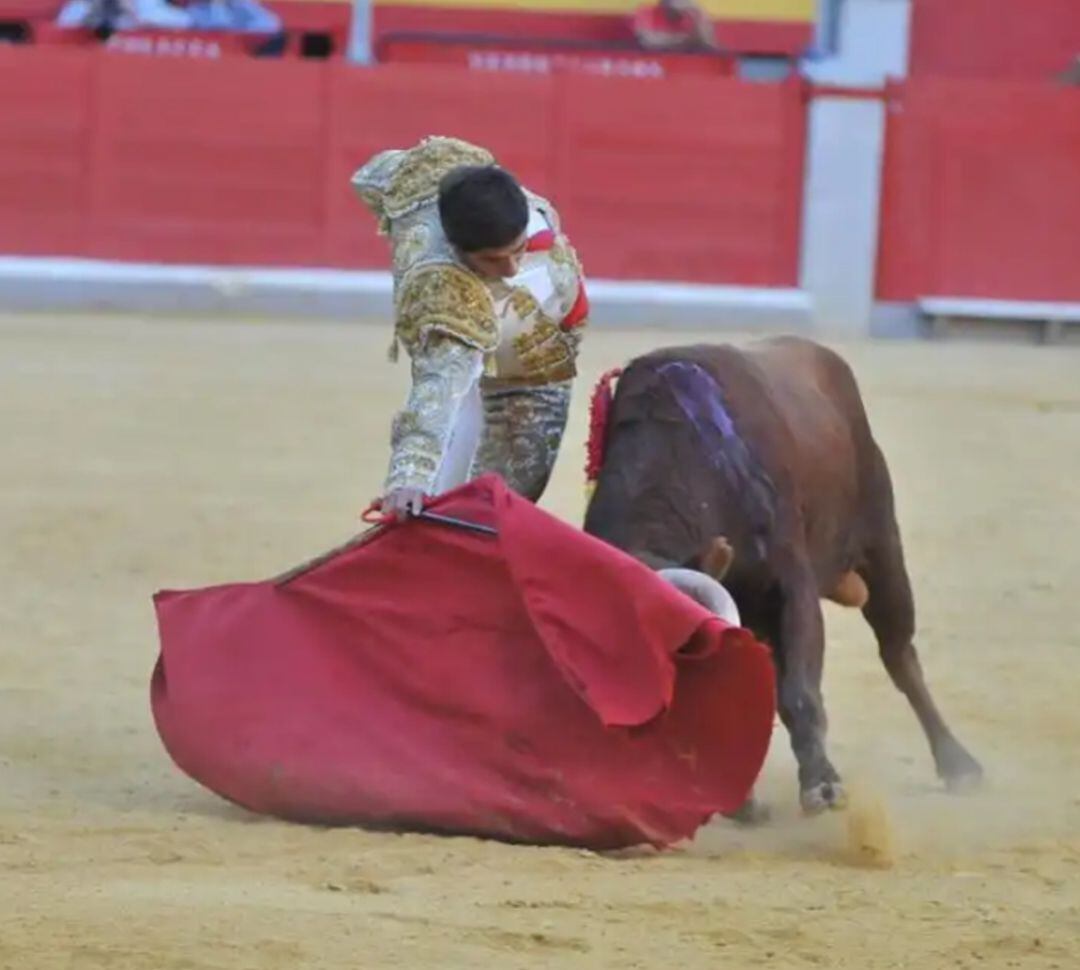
359,540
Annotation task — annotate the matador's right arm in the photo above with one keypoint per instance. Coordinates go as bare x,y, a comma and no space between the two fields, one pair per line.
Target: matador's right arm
446,321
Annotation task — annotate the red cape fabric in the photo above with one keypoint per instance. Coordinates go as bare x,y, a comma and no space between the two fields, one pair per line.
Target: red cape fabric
534,686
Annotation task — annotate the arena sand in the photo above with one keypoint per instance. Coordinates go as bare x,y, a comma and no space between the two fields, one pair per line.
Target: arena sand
140,454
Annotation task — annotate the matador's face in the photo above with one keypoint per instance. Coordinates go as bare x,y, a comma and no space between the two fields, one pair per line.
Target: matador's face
499,263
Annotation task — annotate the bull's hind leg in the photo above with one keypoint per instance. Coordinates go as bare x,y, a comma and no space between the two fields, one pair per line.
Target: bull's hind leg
890,611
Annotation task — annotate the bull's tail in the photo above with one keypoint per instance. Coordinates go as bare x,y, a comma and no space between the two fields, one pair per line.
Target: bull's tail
599,411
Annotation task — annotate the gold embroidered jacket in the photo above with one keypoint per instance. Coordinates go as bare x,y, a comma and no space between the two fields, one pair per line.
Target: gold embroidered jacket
455,325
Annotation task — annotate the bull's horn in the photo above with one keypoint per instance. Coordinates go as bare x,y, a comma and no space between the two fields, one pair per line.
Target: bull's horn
704,590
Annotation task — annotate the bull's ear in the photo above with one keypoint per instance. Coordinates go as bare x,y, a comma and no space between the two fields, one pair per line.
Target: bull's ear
717,557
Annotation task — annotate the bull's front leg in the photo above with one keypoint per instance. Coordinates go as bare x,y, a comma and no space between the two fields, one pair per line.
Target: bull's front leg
799,655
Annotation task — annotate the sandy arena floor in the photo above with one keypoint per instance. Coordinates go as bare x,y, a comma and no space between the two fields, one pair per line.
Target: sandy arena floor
144,454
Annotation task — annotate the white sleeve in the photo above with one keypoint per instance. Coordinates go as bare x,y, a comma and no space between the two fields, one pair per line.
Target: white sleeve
444,373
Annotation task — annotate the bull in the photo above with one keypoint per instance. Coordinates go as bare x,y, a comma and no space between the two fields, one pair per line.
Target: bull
757,466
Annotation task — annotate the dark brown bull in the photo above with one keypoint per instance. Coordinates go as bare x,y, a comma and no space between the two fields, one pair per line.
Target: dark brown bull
757,465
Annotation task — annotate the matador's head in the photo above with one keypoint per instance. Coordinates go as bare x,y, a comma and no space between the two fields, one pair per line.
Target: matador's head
485,214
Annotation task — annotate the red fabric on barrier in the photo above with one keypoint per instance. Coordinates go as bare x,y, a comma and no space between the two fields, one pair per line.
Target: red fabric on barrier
47,33
981,192
209,162
44,170
687,179
30,10
1019,40
247,162
538,686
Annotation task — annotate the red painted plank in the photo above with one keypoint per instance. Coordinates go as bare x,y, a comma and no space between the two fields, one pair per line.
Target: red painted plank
44,151
981,193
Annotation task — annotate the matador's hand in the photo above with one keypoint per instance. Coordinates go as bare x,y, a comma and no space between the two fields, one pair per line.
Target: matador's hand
402,502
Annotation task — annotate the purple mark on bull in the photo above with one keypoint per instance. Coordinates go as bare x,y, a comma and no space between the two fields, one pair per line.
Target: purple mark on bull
700,398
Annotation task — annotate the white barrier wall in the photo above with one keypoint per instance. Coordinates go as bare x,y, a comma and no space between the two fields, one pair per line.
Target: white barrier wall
843,190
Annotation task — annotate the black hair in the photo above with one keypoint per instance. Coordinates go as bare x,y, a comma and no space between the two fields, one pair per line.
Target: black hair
482,207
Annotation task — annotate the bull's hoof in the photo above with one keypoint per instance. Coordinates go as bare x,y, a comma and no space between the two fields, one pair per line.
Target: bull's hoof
957,768
828,795
750,814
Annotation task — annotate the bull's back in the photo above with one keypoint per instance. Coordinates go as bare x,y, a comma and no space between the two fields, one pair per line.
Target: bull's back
800,397
798,405
816,397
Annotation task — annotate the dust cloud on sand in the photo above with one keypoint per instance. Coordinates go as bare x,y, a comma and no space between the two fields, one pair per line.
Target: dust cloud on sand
148,453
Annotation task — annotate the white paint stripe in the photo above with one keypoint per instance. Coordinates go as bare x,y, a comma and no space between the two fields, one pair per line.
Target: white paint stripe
961,306
234,280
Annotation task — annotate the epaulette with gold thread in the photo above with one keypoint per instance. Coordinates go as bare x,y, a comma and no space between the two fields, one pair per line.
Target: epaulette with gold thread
448,299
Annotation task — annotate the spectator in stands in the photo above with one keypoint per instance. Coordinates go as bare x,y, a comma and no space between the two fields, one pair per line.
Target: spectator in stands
111,15
235,16
674,25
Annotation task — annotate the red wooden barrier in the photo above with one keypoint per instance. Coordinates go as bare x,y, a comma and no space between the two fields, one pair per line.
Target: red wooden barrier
239,161
218,162
44,151
1003,39
683,179
981,192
